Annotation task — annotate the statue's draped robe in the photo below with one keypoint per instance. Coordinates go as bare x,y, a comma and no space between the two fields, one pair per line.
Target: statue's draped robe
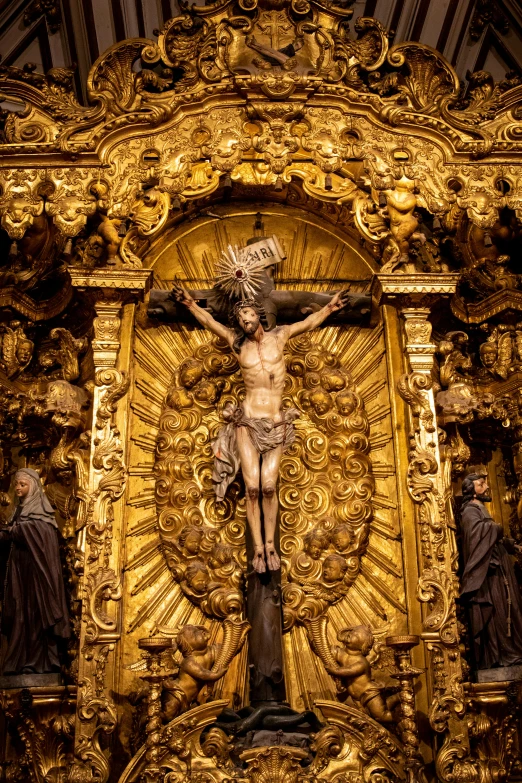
34,612
487,582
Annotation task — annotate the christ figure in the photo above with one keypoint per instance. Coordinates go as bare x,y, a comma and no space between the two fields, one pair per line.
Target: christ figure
259,430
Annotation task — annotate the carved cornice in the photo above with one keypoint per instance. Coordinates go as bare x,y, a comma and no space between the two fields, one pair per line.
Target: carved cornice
497,303
12,297
387,288
134,281
222,56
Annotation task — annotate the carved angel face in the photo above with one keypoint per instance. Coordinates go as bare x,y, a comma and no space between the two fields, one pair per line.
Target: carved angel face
179,399
191,372
220,556
206,392
193,637
192,542
24,352
334,568
357,639
314,545
342,537
198,581
488,355
346,403
200,638
321,401
18,215
333,380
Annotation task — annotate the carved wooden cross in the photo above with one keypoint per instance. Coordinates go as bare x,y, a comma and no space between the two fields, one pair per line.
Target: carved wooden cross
275,24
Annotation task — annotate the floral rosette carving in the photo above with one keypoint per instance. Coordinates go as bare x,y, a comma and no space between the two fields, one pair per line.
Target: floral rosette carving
325,488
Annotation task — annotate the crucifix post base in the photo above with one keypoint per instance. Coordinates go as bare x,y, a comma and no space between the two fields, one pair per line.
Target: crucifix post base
265,656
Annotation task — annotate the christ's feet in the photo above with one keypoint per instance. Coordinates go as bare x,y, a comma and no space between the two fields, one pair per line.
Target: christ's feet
272,558
258,561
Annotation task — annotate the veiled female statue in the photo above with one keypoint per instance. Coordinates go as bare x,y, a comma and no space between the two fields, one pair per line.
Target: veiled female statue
35,615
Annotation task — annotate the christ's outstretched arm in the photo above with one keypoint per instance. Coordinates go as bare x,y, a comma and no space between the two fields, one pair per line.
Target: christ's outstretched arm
181,295
316,319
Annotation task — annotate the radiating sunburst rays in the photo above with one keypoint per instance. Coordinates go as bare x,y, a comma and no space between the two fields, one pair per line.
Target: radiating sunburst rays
324,264
154,599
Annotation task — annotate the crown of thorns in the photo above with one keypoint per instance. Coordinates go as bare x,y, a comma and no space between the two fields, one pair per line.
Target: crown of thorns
244,303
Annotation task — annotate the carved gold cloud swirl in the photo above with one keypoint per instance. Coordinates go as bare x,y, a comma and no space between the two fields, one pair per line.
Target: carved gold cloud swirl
325,489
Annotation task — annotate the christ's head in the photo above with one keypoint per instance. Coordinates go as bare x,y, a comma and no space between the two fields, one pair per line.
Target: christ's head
248,319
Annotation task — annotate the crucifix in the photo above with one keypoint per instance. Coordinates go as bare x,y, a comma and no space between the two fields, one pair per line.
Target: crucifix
256,433
274,24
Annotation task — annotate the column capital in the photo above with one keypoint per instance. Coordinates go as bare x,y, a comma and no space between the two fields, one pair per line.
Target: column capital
135,283
414,295
413,290
419,348
109,289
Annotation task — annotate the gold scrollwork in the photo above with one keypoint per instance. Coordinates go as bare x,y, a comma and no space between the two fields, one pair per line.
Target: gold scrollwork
325,494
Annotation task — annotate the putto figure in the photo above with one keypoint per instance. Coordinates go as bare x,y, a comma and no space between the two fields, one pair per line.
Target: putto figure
489,587
353,669
35,616
202,664
258,431
196,670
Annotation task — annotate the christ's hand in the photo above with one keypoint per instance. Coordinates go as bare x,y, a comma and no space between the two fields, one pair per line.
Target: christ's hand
339,301
181,295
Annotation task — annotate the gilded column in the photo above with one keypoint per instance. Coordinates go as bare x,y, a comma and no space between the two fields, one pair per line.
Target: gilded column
413,296
112,294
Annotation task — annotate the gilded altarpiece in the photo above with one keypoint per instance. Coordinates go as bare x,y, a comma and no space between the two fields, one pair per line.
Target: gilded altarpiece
378,177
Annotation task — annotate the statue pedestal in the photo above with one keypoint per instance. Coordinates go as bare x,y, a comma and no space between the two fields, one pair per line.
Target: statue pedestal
36,727
500,674
12,681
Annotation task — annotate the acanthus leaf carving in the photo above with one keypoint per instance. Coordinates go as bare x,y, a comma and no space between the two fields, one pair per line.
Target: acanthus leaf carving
440,590
65,354
412,388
